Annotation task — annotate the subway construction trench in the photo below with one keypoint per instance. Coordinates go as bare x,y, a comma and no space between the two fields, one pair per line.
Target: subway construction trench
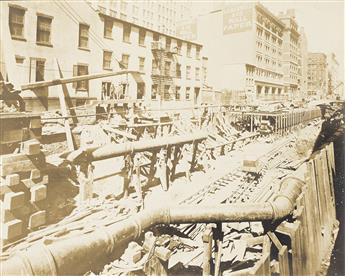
187,195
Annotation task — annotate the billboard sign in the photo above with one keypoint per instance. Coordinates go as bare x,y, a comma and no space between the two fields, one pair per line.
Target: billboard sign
237,19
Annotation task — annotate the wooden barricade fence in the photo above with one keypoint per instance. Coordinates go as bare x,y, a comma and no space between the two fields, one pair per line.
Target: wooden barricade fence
305,241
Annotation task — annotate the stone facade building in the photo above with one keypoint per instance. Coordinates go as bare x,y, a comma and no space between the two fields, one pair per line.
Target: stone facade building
50,40
317,75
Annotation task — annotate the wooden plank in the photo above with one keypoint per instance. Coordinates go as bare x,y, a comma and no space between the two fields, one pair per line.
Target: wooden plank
319,188
329,190
29,183
324,198
293,231
275,240
330,179
283,258
64,112
21,166
309,225
207,241
262,267
314,211
16,157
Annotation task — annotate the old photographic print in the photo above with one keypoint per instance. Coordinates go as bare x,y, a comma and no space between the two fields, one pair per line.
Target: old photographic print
173,137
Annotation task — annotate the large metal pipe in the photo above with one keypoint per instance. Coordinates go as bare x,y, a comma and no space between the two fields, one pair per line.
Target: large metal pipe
114,150
79,254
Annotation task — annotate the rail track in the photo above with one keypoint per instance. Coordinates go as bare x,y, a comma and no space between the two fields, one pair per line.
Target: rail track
234,186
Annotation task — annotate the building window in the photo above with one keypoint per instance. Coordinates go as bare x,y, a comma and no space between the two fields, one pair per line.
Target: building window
20,59
83,36
197,52
168,43
40,70
142,35
204,74
154,91
178,93
188,68
16,22
108,28
126,33
36,69
167,68
178,70
197,73
80,70
140,90
107,59
187,93
141,63
189,50
43,29
155,37
125,61
166,92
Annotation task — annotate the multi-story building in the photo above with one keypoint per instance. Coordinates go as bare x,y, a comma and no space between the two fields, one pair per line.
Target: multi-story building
51,40
304,64
317,75
244,50
334,82
291,55
160,16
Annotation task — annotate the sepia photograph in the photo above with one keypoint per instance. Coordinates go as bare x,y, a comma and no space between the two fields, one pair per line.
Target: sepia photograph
172,137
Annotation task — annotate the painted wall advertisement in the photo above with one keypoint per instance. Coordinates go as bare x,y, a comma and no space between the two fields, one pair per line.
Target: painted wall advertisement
237,19
187,30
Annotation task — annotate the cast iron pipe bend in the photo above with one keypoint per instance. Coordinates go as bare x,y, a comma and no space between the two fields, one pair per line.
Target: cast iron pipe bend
77,255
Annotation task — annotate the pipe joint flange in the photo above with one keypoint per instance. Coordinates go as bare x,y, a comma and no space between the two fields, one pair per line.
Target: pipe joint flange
273,210
138,228
166,215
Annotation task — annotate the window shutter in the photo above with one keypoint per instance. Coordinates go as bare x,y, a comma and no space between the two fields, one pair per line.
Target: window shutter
75,73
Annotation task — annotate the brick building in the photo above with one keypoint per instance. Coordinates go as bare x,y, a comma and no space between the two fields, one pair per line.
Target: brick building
50,40
244,51
155,15
317,75
291,55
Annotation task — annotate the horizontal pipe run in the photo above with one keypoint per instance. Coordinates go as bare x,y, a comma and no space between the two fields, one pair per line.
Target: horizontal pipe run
40,84
77,255
114,150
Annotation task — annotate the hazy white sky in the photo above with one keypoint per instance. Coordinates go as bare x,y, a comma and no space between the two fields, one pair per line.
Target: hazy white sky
323,22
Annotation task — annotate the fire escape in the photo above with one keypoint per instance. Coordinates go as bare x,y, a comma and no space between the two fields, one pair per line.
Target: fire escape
163,72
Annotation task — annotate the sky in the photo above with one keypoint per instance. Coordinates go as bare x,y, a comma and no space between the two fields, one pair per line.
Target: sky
323,22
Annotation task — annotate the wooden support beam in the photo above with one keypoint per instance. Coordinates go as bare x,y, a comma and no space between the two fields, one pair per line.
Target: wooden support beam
85,179
64,111
162,169
137,181
126,173
207,238
218,237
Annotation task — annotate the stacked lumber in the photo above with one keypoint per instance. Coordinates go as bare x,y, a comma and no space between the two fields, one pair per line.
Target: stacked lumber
16,127
23,191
